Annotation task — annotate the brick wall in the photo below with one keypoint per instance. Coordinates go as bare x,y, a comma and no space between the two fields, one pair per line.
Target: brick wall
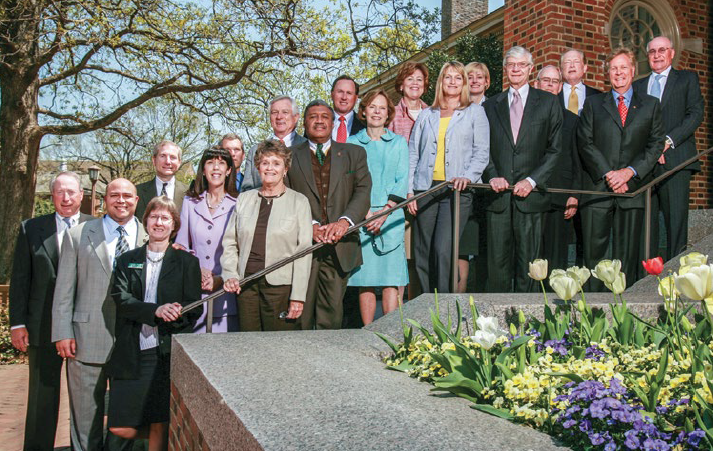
183,434
457,14
547,27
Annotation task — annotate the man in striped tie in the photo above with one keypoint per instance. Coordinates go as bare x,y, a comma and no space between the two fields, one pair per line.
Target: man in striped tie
620,137
83,312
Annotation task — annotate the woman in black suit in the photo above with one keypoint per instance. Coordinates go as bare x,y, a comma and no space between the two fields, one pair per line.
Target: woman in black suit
151,285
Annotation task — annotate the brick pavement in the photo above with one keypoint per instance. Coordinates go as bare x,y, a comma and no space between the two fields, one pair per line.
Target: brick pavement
13,402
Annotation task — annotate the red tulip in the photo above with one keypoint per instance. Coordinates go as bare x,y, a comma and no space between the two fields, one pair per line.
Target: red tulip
653,266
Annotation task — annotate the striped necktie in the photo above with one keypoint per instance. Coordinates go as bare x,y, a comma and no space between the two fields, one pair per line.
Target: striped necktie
122,245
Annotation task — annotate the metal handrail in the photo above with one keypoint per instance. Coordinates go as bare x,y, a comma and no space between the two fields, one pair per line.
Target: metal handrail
456,223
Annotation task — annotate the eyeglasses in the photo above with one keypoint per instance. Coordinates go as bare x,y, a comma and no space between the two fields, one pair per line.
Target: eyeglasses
571,62
519,65
548,80
660,51
165,218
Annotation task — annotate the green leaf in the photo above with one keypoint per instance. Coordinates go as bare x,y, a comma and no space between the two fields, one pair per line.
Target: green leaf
571,376
388,341
487,408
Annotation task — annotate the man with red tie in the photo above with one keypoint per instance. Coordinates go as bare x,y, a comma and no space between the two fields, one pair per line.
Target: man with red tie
620,136
345,92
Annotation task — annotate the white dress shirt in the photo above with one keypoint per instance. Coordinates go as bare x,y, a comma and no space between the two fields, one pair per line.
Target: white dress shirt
288,140
170,187
349,120
149,334
524,91
662,81
111,236
62,227
581,94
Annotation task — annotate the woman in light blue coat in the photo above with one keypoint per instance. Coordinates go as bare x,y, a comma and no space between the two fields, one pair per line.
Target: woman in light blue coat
450,141
382,240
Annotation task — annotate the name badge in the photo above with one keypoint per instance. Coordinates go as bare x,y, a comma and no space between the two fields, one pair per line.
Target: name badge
136,265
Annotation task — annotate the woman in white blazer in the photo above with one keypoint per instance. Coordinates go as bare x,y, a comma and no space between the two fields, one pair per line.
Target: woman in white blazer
268,225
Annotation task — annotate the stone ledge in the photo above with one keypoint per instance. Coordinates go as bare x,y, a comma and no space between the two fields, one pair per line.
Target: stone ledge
324,390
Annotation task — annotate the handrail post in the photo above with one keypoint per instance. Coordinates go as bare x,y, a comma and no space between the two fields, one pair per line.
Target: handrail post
209,317
456,240
647,225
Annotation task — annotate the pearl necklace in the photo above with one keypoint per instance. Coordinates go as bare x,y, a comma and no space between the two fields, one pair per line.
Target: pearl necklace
163,254
207,196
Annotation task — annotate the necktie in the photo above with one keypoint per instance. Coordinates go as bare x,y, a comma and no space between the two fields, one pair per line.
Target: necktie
515,114
622,110
320,154
122,245
342,130
163,189
656,86
573,102
68,221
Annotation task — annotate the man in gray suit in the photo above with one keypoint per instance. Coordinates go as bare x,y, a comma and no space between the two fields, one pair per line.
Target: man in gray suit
83,315
284,114
34,272
166,161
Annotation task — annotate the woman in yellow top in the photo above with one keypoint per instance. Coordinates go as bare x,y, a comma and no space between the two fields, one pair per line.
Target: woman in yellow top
449,141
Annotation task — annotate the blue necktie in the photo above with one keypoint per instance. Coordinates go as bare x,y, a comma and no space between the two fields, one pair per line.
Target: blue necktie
656,86
122,245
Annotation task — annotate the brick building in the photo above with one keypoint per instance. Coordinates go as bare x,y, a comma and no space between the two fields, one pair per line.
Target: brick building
548,27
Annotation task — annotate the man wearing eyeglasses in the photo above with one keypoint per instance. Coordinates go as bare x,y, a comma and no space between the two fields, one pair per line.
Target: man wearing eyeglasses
574,91
525,144
559,227
682,112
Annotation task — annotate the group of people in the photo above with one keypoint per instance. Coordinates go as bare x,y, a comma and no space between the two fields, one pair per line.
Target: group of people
106,294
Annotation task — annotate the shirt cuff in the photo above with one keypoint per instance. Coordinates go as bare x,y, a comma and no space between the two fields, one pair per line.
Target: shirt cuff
351,223
532,182
633,170
670,142
19,326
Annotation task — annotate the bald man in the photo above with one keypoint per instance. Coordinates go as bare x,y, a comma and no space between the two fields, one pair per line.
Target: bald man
83,315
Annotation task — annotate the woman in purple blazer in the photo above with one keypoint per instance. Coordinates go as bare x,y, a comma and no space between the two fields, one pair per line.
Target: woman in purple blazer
207,207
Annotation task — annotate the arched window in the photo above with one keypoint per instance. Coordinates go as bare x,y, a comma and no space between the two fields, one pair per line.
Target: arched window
634,23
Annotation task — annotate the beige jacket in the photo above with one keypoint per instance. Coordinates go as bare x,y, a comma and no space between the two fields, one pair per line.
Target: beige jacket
289,230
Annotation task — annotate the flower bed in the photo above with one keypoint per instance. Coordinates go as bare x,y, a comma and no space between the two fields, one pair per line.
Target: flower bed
624,384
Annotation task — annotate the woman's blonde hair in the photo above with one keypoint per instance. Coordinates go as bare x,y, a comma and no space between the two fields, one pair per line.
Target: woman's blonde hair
479,67
440,101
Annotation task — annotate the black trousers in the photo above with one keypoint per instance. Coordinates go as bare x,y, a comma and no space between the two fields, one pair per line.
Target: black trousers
514,240
624,229
557,234
433,238
671,198
324,307
42,398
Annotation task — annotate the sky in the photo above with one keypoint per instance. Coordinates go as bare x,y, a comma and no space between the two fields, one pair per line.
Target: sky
430,4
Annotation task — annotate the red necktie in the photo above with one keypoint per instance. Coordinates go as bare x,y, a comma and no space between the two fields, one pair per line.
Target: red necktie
622,110
342,130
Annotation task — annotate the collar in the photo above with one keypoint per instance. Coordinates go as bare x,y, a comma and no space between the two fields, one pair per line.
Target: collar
131,227
627,95
404,109
364,138
347,117
288,139
664,72
170,184
325,147
523,91
74,219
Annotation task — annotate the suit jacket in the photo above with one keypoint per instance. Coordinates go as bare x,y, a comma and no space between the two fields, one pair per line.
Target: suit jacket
681,113
605,145
349,192
588,91
535,155
179,281
289,230
568,172
147,191
357,125
34,272
251,176
82,308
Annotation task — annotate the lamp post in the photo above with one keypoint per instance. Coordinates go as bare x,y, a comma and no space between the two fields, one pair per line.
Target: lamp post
94,176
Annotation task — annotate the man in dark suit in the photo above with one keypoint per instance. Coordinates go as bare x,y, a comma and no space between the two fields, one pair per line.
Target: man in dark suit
234,145
525,144
620,137
31,290
574,91
283,114
559,227
336,180
166,161
682,112
345,92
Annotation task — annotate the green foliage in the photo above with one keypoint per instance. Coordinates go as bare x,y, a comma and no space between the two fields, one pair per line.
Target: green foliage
470,48
8,353
43,206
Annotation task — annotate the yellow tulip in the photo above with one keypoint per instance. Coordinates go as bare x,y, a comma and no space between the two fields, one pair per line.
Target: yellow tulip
619,284
667,289
693,259
696,283
538,269
607,270
557,273
581,274
565,286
